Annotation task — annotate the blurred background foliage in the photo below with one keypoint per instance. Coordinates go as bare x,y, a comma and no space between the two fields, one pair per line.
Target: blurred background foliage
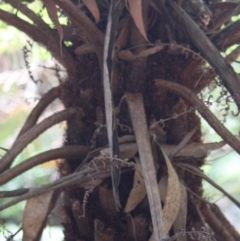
18,95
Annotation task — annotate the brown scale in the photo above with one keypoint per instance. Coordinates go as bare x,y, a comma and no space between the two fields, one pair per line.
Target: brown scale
195,75
178,126
195,184
193,181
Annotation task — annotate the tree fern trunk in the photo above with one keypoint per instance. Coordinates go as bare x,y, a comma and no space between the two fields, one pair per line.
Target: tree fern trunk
153,43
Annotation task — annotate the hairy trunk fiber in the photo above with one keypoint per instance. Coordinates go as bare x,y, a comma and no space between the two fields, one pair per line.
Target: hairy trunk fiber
101,220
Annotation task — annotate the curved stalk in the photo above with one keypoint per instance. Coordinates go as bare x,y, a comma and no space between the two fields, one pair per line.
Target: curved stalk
212,120
33,133
63,152
49,97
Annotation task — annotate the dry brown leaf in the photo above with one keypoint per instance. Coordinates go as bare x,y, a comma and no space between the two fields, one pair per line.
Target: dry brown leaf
173,196
138,191
181,219
129,56
84,49
127,150
126,138
93,8
135,8
52,12
34,216
183,142
163,185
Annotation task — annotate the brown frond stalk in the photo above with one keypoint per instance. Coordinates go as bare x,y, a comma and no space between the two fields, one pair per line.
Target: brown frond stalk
45,36
13,193
63,152
212,120
95,36
23,26
198,172
226,224
43,27
234,55
33,133
225,71
62,183
229,9
217,226
49,97
76,179
227,36
78,17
